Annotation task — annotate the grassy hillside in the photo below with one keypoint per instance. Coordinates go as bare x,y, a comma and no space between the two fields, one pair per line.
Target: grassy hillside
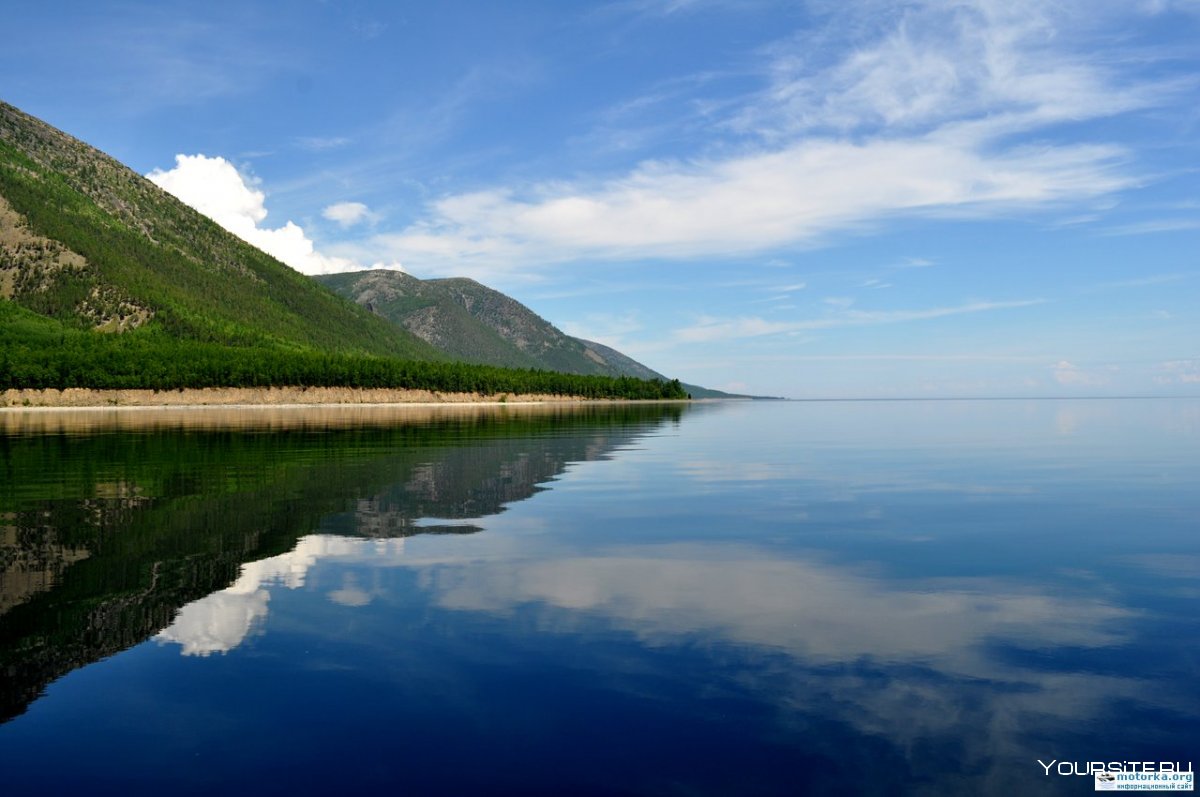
87,241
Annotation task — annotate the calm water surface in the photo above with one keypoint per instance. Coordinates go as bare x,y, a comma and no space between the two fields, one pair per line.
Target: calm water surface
766,598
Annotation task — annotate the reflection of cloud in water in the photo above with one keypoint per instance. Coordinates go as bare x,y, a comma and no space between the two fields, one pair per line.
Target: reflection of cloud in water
217,623
918,663
821,613
220,622
844,485
921,663
818,612
1181,566
350,594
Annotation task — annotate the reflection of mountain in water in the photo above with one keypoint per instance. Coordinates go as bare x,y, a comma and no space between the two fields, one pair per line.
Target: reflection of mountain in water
103,537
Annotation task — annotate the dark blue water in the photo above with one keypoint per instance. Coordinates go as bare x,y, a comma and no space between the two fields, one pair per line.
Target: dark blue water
746,598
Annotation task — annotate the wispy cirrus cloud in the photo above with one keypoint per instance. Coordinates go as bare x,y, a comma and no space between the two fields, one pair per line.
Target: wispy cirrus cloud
322,143
934,109
1069,374
610,329
743,205
720,329
914,262
999,67
1149,280
144,57
1155,226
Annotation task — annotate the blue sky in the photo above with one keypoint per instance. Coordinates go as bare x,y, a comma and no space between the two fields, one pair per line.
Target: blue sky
810,199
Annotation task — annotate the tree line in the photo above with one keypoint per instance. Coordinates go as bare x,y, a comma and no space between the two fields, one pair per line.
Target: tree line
158,362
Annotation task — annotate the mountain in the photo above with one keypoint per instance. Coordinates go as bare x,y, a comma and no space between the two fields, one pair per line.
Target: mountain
107,281
91,243
473,322
425,309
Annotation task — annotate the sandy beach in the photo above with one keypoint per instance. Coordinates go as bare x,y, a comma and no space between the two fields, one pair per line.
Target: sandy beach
81,398
84,411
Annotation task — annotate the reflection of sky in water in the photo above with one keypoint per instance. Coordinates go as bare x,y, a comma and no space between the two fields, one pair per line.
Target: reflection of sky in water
219,622
937,593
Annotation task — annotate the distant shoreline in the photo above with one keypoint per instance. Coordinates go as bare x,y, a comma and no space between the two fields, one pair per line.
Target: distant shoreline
86,398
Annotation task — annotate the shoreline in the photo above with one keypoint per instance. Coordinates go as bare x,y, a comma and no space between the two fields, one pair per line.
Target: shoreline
51,399
229,398
278,415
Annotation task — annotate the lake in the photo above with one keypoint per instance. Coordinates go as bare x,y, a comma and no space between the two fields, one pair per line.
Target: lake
743,598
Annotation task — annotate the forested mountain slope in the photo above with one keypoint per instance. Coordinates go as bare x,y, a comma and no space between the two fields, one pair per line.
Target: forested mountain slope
88,241
427,310
107,281
474,322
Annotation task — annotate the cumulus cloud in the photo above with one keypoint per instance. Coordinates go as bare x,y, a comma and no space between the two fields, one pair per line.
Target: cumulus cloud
214,187
347,214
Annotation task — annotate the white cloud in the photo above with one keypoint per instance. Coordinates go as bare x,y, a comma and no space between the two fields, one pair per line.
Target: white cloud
1179,372
609,329
1155,227
347,214
754,202
1141,282
215,188
713,329
320,143
929,110
1070,375
1003,66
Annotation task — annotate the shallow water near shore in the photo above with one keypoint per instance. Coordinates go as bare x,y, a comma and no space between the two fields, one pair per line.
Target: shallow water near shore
729,598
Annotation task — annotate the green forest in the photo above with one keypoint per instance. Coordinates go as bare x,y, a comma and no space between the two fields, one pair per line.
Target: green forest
39,352
186,304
